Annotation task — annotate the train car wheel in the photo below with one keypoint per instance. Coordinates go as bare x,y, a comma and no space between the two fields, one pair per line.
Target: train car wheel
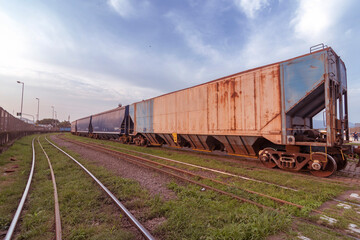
265,158
317,165
341,164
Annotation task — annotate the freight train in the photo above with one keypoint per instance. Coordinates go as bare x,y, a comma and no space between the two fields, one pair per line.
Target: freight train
266,112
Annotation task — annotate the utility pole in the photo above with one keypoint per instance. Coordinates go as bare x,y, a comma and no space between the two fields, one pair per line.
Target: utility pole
52,112
22,98
53,115
38,117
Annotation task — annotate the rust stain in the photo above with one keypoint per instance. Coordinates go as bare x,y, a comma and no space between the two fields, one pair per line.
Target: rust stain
233,96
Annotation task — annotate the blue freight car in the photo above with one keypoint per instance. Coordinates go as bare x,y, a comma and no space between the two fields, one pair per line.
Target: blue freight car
111,124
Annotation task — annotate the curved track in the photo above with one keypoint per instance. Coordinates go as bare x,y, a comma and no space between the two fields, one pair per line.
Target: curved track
195,166
155,166
56,199
132,219
349,175
10,232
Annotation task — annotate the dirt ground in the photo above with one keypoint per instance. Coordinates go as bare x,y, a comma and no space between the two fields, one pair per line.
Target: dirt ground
149,179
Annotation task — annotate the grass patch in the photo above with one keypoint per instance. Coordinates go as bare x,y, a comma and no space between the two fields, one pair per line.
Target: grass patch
308,194
197,214
206,215
315,233
87,213
12,184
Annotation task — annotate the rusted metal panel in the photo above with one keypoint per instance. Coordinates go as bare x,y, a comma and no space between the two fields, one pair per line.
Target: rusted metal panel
181,112
144,116
197,110
165,114
245,104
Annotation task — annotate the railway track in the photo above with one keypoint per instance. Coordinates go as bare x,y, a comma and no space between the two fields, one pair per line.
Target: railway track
338,178
350,175
160,168
132,219
20,207
16,217
242,177
56,198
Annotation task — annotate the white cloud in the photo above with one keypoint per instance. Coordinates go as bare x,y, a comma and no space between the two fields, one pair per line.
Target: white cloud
126,8
315,20
251,7
12,42
193,37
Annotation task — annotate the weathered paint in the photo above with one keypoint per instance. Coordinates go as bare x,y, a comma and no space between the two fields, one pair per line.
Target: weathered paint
303,75
246,104
132,111
144,116
109,121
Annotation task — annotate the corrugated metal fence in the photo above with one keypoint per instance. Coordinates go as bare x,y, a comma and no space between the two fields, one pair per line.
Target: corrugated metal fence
12,128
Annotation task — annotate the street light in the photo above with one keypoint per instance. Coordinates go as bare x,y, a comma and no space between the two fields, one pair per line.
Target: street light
53,115
38,109
52,112
22,98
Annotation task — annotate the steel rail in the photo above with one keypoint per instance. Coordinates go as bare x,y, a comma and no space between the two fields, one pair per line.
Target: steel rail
203,168
107,150
56,199
10,232
210,188
117,154
138,225
212,170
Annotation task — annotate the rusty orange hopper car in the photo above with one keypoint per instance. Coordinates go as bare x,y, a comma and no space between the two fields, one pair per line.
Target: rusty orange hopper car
266,112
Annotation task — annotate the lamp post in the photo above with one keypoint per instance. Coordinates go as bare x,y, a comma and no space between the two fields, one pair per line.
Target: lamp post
22,98
38,109
52,112
53,115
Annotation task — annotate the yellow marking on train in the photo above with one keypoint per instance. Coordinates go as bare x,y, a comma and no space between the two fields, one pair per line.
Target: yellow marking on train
201,150
155,144
239,155
175,137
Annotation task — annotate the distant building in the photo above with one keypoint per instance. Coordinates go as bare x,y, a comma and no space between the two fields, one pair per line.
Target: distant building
357,124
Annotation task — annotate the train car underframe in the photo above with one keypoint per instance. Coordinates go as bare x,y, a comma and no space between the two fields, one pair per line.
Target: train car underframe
319,160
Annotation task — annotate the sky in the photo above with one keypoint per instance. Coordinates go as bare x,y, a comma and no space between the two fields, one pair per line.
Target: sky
85,57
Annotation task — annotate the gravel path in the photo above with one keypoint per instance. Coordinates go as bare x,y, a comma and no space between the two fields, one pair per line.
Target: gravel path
154,182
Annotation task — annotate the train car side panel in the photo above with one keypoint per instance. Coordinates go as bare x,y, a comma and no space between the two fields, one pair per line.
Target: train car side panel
83,125
144,116
108,122
73,127
247,105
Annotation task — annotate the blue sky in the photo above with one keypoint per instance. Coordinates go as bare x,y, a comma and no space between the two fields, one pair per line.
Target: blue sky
85,57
